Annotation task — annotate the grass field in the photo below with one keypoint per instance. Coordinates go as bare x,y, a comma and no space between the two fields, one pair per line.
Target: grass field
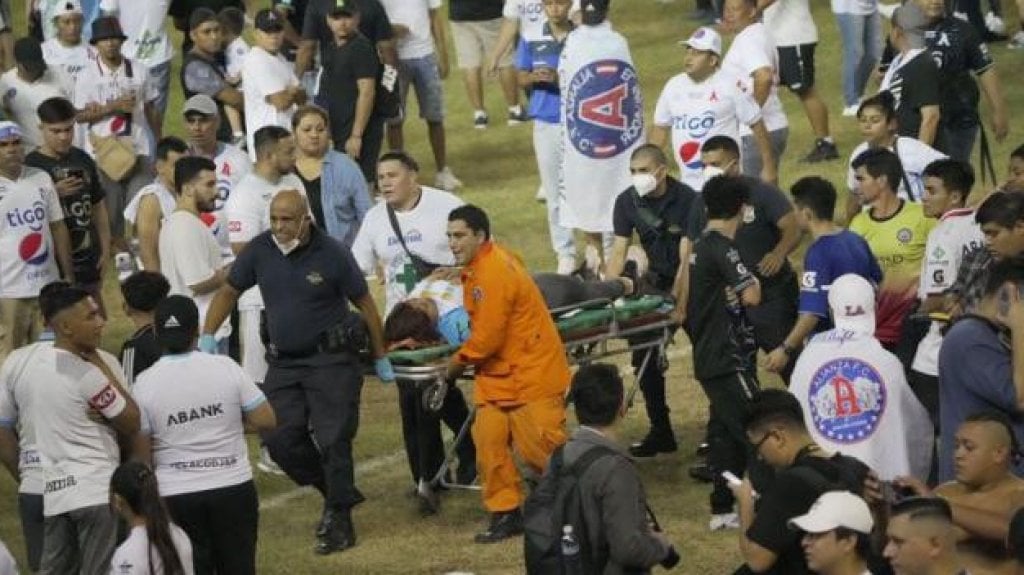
498,168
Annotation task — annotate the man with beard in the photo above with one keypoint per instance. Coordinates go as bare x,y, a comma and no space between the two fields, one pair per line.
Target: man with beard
190,257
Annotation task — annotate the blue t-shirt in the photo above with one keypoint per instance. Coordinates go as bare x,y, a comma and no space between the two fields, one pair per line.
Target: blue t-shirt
544,52
829,257
975,374
454,326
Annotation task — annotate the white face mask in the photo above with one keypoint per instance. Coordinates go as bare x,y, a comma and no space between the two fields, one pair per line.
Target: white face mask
644,183
712,171
291,245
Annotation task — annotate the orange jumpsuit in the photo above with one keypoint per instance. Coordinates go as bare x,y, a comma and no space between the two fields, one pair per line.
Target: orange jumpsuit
521,373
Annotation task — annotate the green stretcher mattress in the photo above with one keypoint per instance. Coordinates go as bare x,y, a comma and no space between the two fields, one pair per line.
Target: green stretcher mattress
575,324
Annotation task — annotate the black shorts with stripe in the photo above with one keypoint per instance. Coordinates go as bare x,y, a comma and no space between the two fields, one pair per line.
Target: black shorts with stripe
796,67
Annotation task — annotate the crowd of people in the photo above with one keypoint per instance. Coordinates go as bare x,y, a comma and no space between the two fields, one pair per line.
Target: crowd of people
242,248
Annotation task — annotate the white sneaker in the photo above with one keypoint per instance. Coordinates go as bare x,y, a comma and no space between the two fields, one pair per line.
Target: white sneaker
851,111
446,180
266,464
541,196
723,521
995,24
566,265
1017,42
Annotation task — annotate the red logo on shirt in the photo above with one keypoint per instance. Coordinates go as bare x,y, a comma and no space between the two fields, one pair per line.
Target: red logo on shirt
104,399
226,170
714,96
234,226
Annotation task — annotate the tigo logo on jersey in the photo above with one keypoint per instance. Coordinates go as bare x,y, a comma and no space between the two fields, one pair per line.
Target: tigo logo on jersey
604,109
696,127
847,398
34,217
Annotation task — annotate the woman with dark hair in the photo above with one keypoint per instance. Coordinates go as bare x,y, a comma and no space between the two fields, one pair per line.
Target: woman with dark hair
155,546
337,192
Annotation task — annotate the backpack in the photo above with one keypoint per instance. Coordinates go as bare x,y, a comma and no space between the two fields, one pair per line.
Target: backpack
556,502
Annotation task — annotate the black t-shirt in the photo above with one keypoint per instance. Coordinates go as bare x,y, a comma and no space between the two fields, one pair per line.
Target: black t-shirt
914,85
140,352
791,494
660,224
759,234
723,339
474,10
313,194
78,209
343,67
306,292
958,51
373,23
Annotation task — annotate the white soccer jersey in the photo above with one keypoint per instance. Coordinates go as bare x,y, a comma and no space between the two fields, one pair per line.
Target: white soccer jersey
192,407
695,112
753,49
17,411
856,401
248,215
789,22
98,84
956,234
234,57
28,206
68,61
143,22
264,74
78,455
425,230
232,165
132,557
914,156
22,98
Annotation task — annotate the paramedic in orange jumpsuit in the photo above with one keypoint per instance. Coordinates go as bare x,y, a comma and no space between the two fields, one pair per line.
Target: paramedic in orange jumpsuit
521,371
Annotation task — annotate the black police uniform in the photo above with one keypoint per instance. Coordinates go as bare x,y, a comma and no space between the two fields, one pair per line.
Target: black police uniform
314,379
660,223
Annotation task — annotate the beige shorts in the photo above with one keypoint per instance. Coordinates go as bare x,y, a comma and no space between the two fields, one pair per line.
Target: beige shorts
474,42
20,324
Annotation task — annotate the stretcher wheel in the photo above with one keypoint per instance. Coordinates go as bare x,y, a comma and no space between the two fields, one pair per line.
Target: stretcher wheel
434,394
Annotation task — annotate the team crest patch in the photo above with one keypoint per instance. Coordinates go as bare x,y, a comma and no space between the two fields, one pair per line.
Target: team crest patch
478,294
904,235
314,278
846,400
604,109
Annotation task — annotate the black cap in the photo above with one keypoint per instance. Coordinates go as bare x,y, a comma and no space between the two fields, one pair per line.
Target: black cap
105,28
176,319
29,54
268,20
344,8
201,16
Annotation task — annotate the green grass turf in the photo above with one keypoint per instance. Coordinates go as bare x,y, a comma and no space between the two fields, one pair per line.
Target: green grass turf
498,168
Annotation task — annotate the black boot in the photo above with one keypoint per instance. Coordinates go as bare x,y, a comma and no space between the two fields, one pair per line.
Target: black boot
338,532
656,442
503,525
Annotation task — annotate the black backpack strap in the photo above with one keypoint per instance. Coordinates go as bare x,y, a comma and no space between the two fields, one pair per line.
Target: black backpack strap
587,458
398,230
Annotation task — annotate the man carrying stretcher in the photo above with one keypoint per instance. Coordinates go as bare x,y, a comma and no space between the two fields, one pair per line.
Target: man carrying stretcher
521,370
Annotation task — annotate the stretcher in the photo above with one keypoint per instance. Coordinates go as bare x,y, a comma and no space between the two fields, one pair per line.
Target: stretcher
588,331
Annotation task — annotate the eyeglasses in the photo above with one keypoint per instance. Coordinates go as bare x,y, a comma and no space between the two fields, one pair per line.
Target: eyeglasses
757,445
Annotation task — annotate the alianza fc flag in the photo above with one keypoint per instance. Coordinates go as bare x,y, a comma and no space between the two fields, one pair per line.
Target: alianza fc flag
603,122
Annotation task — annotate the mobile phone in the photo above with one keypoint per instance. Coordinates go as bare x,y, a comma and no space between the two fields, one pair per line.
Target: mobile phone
75,173
731,478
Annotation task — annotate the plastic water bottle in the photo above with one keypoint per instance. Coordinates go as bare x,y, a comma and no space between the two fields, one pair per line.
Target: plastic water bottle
572,562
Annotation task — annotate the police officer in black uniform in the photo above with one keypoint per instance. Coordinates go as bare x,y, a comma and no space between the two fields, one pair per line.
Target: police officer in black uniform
664,213
313,339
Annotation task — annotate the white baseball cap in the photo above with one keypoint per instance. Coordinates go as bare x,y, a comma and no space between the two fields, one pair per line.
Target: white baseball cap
852,301
835,509
704,39
68,7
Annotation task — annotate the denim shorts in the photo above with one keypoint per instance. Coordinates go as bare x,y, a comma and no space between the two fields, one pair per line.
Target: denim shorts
425,77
